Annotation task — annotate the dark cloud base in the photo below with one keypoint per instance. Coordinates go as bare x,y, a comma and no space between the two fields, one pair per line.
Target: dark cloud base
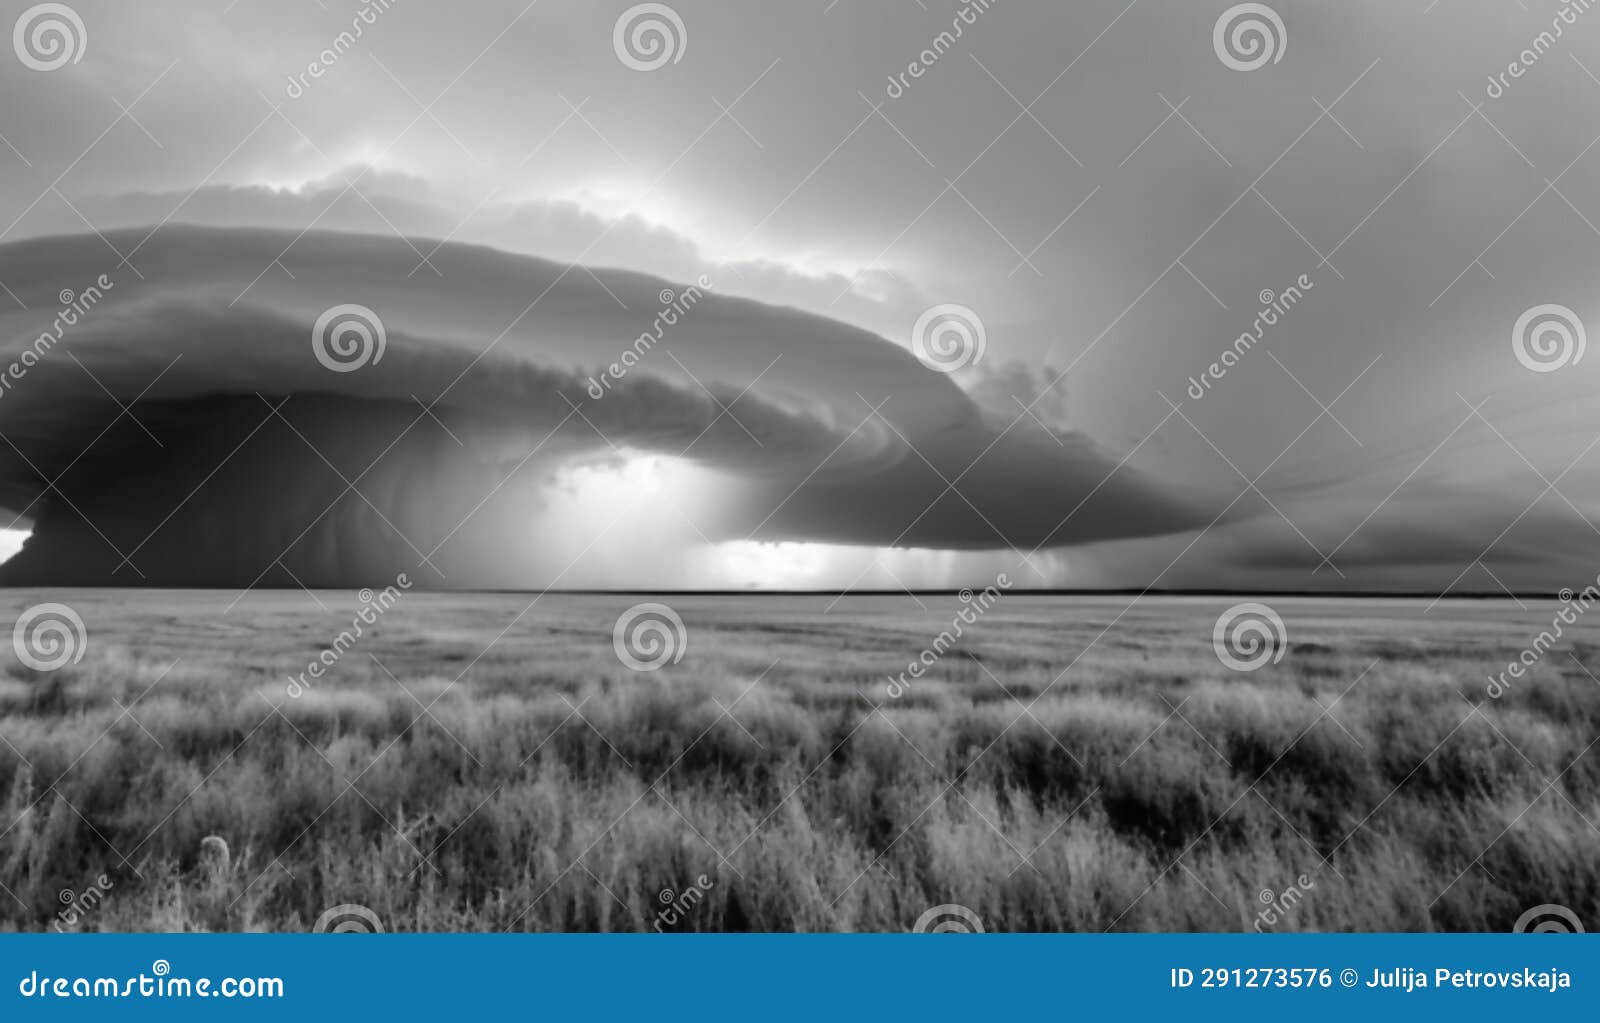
182,432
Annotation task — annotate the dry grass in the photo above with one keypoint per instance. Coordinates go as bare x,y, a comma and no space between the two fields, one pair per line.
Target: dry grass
546,787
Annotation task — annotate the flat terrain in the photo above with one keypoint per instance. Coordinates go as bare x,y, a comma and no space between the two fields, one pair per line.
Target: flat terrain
472,762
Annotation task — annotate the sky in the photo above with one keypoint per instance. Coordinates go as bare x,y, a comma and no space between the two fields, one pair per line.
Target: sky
965,299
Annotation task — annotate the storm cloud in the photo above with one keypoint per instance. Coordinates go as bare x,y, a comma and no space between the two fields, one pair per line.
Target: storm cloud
1114,199
187,428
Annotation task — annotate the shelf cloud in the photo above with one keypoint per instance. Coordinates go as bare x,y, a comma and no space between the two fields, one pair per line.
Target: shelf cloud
1273,302
214,421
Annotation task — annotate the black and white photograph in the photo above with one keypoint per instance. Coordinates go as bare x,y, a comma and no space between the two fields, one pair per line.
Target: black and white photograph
940,466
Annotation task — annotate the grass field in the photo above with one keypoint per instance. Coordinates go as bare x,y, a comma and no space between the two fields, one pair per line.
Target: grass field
464,767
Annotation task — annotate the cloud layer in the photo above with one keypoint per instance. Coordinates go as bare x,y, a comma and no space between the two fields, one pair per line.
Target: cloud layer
1116,208
184,431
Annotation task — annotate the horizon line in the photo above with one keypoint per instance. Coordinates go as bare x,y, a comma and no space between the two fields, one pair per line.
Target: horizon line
824,592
